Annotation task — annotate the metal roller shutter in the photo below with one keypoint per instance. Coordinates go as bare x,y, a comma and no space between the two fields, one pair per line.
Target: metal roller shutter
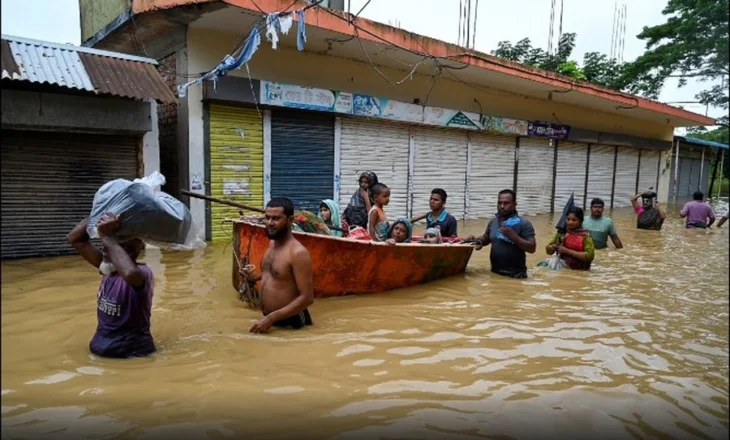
695,179
627,165
535,176
492,170
236,164
379,147
600,174
48,184
649,170
302,157
571,173
685,177
440,162
705,177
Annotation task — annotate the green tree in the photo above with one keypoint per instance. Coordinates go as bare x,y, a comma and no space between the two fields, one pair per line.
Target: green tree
523,52
693,43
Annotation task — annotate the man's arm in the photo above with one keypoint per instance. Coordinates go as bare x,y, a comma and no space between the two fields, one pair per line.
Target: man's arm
127,268
683,212
617,241
525,240
419,218
662,212
634,201
483,239
614,236
79,239
451,229
722,221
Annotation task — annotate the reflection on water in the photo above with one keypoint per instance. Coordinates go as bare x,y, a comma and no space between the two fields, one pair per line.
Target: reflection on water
636,348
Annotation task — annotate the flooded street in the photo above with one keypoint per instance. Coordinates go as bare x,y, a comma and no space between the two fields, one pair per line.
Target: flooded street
636,348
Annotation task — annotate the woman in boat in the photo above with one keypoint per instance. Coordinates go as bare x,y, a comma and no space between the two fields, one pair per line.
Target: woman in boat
361,203
400,232
575,247
329,212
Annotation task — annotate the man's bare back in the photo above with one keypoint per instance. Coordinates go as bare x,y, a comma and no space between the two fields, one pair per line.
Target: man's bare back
287,288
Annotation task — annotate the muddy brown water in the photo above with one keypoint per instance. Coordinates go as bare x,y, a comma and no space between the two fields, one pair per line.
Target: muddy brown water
636,348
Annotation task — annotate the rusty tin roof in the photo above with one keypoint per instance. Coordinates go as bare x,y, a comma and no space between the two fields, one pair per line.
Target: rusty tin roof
96,71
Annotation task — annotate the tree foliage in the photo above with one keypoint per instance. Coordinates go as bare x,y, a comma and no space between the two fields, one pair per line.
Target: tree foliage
693,43
597,68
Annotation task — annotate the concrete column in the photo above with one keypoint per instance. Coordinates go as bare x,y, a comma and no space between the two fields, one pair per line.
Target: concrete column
151,144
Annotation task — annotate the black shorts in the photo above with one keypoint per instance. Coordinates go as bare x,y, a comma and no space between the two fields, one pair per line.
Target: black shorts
296,322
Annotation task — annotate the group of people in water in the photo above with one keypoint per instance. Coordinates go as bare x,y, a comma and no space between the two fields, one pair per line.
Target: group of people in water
124,298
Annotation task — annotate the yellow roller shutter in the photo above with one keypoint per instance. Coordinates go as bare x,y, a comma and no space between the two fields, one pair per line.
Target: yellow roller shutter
236,164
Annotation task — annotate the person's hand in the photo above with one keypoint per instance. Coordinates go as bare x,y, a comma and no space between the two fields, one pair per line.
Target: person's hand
553,248
509,232
262,325
390,241
108,224
246,272
562,250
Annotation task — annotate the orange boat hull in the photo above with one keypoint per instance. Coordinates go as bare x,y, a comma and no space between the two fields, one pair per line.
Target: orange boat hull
342,266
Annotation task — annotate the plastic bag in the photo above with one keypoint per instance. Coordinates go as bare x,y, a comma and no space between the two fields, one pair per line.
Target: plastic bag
146,213
554,262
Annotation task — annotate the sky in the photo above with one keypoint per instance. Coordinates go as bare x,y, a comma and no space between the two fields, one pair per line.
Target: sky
513,20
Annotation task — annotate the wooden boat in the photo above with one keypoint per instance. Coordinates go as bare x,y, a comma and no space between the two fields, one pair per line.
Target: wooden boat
343,266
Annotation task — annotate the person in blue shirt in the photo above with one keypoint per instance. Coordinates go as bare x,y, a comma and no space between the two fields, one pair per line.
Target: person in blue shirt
439,217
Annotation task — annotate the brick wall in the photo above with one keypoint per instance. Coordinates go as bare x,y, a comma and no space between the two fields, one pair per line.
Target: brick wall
167,120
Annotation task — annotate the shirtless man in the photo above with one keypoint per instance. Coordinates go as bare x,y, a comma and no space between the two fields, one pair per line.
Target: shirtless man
286,278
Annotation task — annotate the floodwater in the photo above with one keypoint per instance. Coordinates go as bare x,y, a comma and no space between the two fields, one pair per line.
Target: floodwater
636,348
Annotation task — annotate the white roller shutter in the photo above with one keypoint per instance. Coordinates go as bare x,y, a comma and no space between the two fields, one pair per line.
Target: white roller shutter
440,162
649,170
379,147
535,176
492,170
571,173
627,164
600,174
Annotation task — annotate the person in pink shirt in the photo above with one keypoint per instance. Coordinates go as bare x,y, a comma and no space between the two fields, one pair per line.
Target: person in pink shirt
697,212
650,215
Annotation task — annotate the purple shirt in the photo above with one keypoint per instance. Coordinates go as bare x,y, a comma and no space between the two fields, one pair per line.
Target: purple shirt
697,212
123,314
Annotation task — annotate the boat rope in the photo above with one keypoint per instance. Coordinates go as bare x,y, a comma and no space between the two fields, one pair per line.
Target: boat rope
247,291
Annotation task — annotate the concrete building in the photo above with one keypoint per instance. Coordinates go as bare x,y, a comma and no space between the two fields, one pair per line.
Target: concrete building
72,119
419,112
690,167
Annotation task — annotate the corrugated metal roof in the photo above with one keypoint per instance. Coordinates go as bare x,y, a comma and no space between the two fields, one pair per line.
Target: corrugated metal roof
702,142
9,67
79,68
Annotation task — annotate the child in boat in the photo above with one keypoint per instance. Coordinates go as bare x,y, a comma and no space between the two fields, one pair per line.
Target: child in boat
329,212
575,247
432,236
400,232
356,213
377,220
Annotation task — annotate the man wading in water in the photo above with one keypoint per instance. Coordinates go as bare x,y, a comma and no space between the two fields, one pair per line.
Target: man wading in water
124,300
286,278
510,235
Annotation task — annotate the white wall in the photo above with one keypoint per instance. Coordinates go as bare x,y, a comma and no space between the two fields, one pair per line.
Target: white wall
151,144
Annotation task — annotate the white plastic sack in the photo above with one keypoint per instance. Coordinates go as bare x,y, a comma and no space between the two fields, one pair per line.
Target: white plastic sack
554,262
146,212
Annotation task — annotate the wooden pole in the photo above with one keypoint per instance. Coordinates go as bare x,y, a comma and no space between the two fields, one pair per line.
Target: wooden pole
236,205
221,201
